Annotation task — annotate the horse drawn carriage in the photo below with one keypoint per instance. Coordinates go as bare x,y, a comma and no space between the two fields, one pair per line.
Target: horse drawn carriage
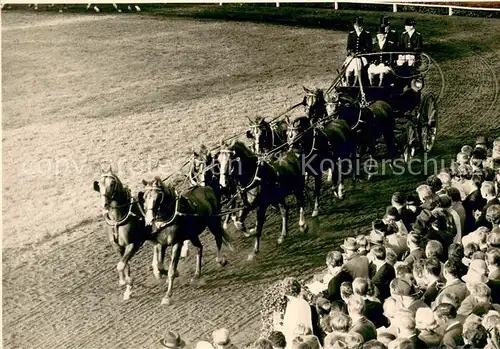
415,111
264,174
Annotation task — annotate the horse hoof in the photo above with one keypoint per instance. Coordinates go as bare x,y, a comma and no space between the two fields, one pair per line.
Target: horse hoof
303,228
176,274
251,257
315,213
121,282
166,301
157,275
280,240
126,296
222,262
224,226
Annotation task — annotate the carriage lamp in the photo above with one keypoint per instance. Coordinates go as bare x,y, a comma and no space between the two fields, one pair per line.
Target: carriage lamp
417,85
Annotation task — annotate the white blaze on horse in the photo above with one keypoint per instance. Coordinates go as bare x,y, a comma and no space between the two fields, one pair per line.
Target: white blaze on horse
262,182
124,223
178,217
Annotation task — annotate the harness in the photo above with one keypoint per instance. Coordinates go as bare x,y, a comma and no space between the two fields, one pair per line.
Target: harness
113,223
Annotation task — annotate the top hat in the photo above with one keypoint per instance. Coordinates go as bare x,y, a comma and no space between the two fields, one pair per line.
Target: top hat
384,21
359,21
172,341
410,21
350,244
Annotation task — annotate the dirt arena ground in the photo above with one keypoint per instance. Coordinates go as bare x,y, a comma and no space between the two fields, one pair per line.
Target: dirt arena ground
138,91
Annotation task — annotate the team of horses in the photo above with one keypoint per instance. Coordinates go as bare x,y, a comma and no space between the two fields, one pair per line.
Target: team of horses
271,164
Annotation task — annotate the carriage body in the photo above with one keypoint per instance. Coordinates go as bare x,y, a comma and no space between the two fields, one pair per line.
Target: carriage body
415,109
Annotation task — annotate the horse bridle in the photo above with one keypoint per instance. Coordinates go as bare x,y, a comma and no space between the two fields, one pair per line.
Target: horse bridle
130,202
255,177
112,176
199,171
175,202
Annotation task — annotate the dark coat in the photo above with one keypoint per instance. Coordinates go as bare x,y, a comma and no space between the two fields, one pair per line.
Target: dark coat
417,343
393,37
473,202
414,255
366,328
411,44
416,304
494,285
357,266
459,288
482,221
452,337
333,291
383,55
359,44
408,217
432,339
382,280
432,292
375,313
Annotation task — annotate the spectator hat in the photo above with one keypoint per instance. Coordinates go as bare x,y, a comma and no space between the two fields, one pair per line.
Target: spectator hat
350,244
172,340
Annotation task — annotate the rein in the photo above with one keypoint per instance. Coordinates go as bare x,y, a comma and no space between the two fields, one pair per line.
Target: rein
176,203
115,224
130,204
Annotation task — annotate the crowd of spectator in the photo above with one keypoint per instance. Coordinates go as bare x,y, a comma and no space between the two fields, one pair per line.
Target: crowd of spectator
427,274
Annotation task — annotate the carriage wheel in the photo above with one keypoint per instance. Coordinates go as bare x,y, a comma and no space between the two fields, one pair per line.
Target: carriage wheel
428,121
410,144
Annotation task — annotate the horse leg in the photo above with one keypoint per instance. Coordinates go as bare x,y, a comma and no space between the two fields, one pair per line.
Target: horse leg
185,249
214,225
284,221
340,180
299,195
161,258
120,250
261,217
240,222
158,259
230,216
124,266
199,255
172,271
317,190
329,177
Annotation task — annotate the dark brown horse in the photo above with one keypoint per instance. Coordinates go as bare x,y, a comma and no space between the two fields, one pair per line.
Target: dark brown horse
263,182
178,217
369,122
322,146
266,136
205,170
124,224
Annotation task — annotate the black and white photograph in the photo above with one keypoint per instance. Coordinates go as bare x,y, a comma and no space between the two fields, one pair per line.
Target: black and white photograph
250,175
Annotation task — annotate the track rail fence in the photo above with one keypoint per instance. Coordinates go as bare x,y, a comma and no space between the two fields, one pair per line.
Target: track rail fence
396,4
